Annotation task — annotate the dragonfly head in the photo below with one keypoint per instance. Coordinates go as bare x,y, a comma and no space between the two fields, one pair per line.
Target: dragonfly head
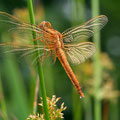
44,24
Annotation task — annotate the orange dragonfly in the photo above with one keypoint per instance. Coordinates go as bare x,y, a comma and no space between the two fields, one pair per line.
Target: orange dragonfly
66,46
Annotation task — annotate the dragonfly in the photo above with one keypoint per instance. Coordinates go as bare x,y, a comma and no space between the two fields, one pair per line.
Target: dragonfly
68,46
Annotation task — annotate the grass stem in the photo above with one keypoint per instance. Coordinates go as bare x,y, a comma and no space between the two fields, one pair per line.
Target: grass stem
16,86
39,68
97,66
36,95
2,102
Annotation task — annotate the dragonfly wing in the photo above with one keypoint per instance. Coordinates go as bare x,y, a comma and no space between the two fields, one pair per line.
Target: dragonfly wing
44,55
12,47
50,58
21,34
20,28
22,42
78,53
83,32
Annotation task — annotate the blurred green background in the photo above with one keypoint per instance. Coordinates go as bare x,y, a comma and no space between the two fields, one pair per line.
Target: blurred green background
18,76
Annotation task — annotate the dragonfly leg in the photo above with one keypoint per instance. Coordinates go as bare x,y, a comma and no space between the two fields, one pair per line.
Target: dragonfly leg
44,56
37,39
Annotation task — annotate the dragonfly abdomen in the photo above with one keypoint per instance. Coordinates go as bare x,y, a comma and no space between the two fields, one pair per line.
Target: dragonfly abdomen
62,57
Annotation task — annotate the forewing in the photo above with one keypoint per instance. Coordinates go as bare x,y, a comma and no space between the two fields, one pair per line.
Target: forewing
78,53
21,35
19,28
83,32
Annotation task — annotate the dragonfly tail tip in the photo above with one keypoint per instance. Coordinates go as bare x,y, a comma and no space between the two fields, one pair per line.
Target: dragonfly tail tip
82,96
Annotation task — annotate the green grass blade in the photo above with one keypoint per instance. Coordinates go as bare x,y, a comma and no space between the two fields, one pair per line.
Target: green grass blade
2,102
19,103
97,65
39,68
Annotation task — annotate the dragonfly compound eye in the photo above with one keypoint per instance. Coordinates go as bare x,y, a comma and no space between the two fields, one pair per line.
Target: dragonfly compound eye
44,24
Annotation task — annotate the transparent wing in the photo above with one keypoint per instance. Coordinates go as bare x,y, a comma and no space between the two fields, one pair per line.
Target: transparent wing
20,34
83,32
78,53
44,55
20,28
25,49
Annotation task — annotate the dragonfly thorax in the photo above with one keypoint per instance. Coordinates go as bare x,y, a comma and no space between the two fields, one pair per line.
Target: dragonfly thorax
55,35
46,26
59,43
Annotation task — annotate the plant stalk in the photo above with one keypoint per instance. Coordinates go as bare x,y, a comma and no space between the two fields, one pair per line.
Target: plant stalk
39,67
97,65
2,102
